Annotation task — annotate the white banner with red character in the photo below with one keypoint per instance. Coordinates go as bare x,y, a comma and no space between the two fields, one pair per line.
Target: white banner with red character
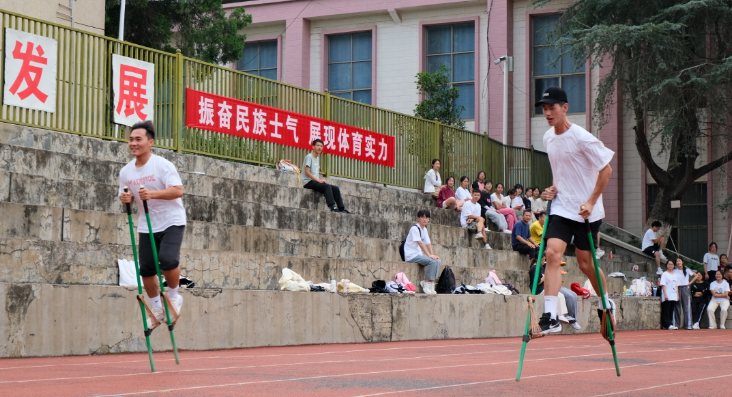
249,120
134,90
30,71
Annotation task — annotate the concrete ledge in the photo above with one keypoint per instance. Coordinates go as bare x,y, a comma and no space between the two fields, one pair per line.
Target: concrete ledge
53,320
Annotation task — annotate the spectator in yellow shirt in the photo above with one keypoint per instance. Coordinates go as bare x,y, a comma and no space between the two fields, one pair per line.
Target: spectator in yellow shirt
537,228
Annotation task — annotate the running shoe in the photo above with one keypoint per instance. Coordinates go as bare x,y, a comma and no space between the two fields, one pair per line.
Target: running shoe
427,287
695,326
575,325
562,319
599,253
549,325
345,211
571,319
659,271
506,231
159,314
478,236
722,327
672,327
663,257
487,246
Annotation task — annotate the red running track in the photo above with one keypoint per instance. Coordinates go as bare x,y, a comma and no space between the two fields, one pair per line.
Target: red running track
657,362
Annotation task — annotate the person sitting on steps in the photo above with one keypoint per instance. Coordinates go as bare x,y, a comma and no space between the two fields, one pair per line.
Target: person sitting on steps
470,217
486,207
446,199
521,237
418,249
654,246
311,180
432,181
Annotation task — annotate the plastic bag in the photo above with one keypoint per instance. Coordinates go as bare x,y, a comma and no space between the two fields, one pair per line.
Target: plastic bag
291,281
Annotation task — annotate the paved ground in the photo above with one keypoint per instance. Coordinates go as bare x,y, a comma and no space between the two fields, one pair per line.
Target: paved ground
653,363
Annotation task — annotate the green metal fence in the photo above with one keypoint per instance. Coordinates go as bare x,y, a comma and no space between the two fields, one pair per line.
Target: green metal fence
85,105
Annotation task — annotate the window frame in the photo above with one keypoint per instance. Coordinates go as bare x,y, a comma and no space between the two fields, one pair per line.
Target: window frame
424,37
325,63
531,16
258,40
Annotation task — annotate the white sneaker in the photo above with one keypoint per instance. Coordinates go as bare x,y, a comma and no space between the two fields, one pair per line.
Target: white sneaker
710,327
722,327
663,257
478,236
563,319
488,246
673,327
696,326
178,304
575,325
659,271
506,231
599,253
427,287
159,314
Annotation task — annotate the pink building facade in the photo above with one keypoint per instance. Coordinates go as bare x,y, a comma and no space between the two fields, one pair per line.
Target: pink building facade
371,50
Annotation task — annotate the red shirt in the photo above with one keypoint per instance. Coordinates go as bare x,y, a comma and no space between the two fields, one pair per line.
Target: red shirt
445,193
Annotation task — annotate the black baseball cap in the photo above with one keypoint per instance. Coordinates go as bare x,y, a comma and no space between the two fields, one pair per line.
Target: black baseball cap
551,96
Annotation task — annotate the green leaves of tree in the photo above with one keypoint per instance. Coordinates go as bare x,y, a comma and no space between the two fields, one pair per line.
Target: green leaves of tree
440,96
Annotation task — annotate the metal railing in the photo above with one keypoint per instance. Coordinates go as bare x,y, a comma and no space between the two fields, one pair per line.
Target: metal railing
85,105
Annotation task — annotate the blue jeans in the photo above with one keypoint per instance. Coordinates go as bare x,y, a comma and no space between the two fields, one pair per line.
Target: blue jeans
432,265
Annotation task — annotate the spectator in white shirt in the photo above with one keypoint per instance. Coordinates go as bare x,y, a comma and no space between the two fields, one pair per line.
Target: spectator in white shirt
463,192
502,204
684,302
653,245
711,262
418,249
432,181
720,299
470,218
516,202
669,285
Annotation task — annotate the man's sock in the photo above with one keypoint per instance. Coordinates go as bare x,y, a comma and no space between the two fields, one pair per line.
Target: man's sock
550,305
173,293
156,302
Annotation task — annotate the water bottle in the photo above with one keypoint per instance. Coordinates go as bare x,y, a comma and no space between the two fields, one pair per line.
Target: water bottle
333,286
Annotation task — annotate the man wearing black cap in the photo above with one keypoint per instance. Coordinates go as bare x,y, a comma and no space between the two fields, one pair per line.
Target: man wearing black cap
581,169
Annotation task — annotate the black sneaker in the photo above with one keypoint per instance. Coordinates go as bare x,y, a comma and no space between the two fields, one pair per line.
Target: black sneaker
549,325
334,209
345,211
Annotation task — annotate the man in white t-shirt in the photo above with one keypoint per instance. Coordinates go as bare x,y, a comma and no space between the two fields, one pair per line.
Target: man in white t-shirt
581,169
470,217
162,190
418,249
653,245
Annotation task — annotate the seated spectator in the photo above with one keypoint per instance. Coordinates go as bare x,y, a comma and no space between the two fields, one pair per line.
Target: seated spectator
481,180
418,249
470,218
502,204
432,181
699,290
527,198
537,204
720,299
516,202
521,237
670,296
566,299
462,193
653,245
723,263
446,199
711,262
537,228
486,208
311,179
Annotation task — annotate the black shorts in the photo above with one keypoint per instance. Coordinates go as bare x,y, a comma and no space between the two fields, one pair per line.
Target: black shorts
652,250
168,243
564,229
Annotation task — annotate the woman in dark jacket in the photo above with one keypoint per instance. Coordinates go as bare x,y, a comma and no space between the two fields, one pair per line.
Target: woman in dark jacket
699,290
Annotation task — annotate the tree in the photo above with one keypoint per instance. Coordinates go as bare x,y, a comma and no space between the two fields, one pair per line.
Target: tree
671,62
199,28
439,98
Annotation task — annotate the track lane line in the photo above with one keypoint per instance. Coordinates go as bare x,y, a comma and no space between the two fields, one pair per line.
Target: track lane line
663,385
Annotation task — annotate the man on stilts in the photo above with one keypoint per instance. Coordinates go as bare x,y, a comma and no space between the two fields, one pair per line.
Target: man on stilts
581,169
162,190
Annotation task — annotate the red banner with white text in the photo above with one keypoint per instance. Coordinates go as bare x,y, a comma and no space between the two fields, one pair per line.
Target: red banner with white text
248,120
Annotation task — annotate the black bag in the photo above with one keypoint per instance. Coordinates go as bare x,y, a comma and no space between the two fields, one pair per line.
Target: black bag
401,246
446,283
378,287
316,288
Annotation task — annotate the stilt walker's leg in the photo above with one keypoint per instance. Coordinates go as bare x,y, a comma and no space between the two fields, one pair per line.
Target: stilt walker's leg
139,287
166,301
531,314
607,322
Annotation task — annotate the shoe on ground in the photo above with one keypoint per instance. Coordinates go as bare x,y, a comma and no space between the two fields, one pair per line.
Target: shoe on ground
159,314
478,236
599,253
571,319
612,309
345,211
695,326
672,327
427,287
710,327
722,327
575,325
563,319
334,209
487,246
659,271
549,325
507,231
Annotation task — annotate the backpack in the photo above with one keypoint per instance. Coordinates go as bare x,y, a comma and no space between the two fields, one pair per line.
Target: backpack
378,287
446,283
401,246
641,287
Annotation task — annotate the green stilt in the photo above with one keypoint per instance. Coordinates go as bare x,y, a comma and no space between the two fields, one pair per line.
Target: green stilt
611,332
139,286
166,303
540,255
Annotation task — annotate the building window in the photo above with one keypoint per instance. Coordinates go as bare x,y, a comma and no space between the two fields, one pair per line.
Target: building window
349,66
689,232
454,47
562,74
260,59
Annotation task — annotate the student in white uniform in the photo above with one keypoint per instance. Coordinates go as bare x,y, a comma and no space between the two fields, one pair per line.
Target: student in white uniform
684,302
418,249
462,193
670,296
720,299
470,217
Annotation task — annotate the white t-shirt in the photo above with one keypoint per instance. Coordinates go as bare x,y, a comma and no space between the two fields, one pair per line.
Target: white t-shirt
648,239
576,157
719,288
682,279
671,283
538,204
468,209
157,174
462,194
517,202
505,200
411,248
431,180
712,261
